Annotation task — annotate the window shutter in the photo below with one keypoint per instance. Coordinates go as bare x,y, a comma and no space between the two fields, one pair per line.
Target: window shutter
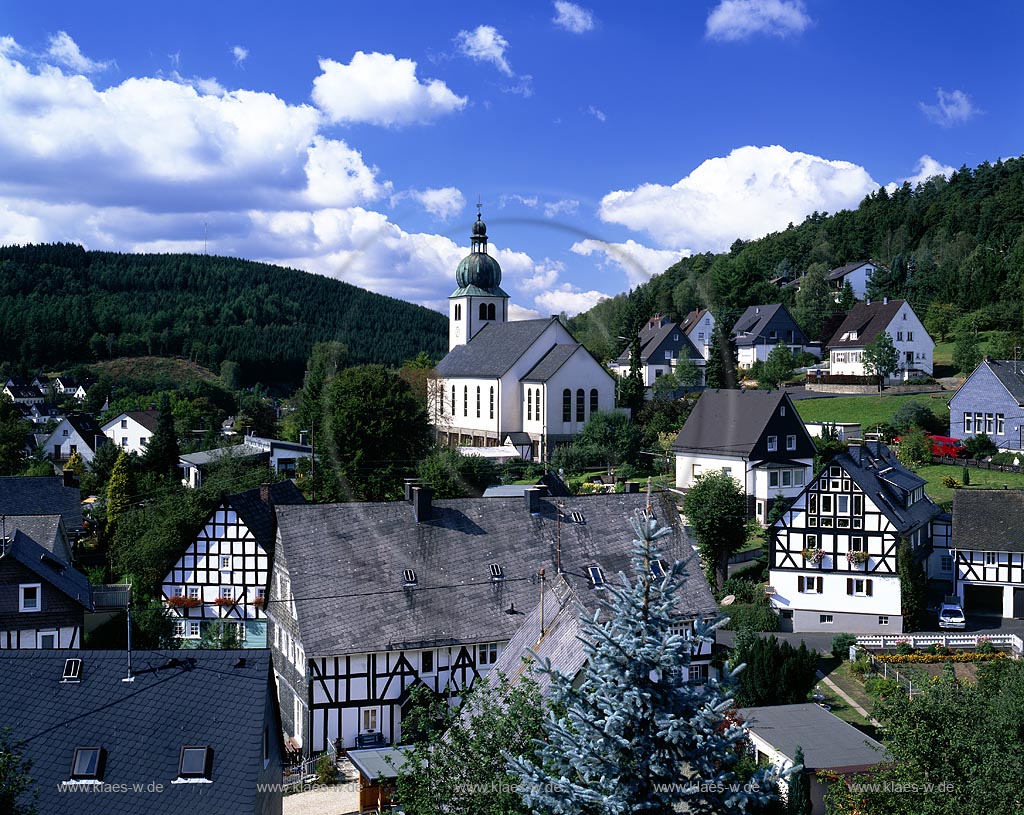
800,583
849,585
821,584
867,587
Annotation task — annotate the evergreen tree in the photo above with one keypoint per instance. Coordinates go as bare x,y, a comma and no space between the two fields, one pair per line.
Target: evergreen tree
118,491
913,588
814,302
798,794
13,432
627,736
162,451
847,299
776,673
77,464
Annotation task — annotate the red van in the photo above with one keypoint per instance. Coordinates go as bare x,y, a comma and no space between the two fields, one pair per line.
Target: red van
948,446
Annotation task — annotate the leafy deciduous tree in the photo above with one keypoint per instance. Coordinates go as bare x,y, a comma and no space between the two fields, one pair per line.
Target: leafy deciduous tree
716,508
881,359
13,434
17,793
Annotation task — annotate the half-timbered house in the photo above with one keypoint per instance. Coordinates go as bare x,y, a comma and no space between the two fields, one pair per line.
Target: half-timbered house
368,600
833,563
987,548
222,575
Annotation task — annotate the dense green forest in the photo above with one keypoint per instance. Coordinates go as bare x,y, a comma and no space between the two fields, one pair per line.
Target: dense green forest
954,245
61,305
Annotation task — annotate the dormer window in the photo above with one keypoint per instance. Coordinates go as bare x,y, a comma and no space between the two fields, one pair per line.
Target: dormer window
88,764
195,764
596,577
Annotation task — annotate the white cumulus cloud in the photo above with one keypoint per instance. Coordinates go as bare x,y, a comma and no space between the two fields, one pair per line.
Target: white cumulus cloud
443,203
597,113
65,51
927,168
952,108
240,54
569,299
639,262
485,44
573,18
381,89
567,206
733,20
747,194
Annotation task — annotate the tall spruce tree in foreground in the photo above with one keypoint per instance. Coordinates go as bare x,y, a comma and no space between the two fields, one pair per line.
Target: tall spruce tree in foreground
630,736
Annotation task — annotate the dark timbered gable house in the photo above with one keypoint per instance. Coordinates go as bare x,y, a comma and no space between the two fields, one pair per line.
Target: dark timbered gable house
369,600
222,576
987,548
834,553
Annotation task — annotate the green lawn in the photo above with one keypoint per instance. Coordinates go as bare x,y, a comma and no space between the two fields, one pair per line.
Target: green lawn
868,410
839,673
990,479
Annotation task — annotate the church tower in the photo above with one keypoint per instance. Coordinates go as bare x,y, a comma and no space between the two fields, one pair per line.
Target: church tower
479,298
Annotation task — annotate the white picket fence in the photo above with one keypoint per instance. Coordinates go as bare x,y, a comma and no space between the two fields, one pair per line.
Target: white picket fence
878,642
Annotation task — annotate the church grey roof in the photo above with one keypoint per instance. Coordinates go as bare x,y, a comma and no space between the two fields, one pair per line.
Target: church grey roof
549,364
46,495
988,520
190,697
347,561
494,349
478,273
259,517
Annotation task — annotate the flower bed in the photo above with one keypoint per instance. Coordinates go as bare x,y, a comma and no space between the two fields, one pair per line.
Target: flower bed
962,656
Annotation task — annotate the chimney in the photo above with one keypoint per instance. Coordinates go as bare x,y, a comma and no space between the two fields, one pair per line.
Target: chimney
421,508
409,484
265,494
71,479
304,437
632,487
885,301
532,498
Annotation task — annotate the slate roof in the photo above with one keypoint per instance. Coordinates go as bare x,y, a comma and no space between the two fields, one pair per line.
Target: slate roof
753,324
346,564
86,427
494,349
43,529
828,742
204,699
46,495
1010,374
259,517
652,335
842,271
50,568
549,364
692,320
887,483
988,520
728,422
24,392
868,320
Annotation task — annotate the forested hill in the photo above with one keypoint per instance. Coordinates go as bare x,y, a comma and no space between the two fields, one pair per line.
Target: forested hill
61,305
956,244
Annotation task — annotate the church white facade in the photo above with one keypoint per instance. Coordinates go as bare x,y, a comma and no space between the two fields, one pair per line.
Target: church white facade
526,380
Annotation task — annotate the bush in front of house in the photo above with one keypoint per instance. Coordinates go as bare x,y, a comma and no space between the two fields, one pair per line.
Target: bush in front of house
841,645
755,616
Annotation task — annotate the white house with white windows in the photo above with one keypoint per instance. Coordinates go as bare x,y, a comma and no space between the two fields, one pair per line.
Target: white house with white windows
699,327
754,436
863,325
132,430
504,378
75,433
857,274
222,575
833,561
663,344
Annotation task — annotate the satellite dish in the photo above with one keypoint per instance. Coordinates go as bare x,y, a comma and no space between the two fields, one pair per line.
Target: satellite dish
728,600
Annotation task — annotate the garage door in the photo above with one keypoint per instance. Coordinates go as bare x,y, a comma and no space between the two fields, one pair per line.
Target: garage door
983,600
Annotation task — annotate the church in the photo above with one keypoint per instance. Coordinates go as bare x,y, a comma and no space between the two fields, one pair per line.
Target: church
527,383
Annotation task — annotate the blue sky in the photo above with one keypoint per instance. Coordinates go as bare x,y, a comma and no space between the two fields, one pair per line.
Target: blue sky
606,140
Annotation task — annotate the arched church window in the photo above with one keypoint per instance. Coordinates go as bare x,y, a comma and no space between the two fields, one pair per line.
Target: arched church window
465,400
529,404
579,405
458,311
538,404
492,401
490,311
478,401
453,400
567,405
593,401
483,311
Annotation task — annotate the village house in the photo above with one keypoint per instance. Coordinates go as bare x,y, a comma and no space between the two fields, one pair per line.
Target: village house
662,344
132,430
160,732
699,327
75,433
757,437
368,600
280,456
864,324
857,274
833,561
761,328
991,401
987,547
